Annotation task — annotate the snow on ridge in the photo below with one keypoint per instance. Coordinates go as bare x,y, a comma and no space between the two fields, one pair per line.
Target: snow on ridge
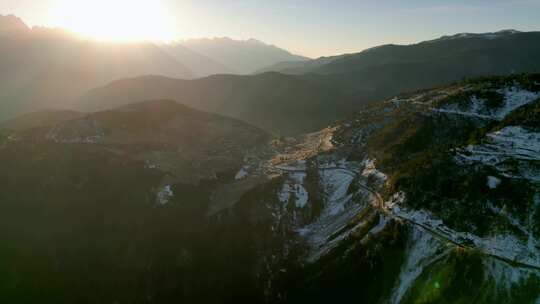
321,234
502,245
336,183
293,188
523,143
487,36
505,276
421,252
462,113
514,97
513,142
334,223
423,247
338,219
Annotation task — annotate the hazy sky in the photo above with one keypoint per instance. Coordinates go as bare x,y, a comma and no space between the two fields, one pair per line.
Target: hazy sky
311,27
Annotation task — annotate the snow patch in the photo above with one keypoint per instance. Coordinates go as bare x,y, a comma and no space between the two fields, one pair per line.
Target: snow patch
513,221
335,183
422,250
488,36
503,246
506,276
336,220
509,143
321,235
514,97
293,188
370,170
165,195
462,113
150,165
383,220
395,200
493,182
242,174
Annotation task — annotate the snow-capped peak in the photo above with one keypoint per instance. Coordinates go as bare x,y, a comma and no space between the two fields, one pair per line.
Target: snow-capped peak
491,35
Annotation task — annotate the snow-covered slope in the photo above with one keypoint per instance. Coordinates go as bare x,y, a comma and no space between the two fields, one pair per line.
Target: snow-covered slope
513,151
456,175
513,97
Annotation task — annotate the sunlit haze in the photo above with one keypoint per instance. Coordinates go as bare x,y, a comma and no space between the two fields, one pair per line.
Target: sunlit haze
307,27
119,20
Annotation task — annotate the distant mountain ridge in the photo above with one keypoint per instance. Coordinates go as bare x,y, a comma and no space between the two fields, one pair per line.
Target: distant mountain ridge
200,64
12,24
492,35
278,103
241,56
313,94
39,119
307,95
44,68
299,67
506,42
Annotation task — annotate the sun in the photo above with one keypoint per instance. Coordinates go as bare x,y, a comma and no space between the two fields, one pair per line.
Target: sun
115,20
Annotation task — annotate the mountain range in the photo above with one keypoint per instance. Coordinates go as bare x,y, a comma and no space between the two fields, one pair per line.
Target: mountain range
243,57
227,56
427,197
281,104
325,89
37,63
491,51
399,174
48,68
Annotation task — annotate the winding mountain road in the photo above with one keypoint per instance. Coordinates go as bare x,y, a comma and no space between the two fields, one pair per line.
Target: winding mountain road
388,212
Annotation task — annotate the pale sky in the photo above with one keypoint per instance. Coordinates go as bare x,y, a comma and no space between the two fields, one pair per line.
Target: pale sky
308,27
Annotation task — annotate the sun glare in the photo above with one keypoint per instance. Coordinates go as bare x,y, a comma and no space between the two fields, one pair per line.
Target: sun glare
115,20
